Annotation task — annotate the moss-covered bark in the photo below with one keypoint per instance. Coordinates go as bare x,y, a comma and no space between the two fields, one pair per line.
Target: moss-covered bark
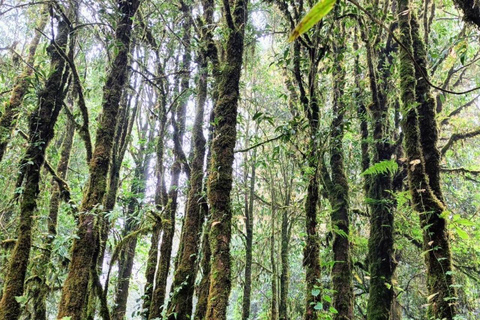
126,258
471,10
41,132
204,285
75,289
178,124
435,234
339,198
39,288
220,176
8,119
160,195
379,188
180,306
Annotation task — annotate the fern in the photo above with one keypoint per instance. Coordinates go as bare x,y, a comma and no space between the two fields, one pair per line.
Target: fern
385,166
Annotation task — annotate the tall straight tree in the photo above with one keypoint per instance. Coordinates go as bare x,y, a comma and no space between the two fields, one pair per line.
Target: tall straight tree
75,289
420,146
41,131
220,177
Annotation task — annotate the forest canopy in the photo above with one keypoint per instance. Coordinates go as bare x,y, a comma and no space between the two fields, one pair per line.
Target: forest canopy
240,159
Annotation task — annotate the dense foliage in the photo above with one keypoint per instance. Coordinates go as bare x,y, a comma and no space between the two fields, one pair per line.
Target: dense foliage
184,160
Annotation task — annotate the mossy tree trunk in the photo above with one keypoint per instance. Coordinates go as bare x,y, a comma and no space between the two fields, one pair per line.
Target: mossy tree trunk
249,195
223,143
204,285
8,119
41,131
178,123
379,186
180,306
339,195
160,192
75,289
132,219
274,276
436,242
40,288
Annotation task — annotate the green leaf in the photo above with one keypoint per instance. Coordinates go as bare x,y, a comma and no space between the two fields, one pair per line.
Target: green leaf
333,310
315,292
318,306
327,298
381,167
464,222
313,16
462,234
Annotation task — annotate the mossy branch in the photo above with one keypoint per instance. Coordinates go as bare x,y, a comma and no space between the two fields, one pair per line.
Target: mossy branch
459,136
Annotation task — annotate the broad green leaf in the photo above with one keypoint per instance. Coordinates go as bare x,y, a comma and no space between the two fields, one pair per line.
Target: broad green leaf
315,14
464,222
318,306
462,234
315,292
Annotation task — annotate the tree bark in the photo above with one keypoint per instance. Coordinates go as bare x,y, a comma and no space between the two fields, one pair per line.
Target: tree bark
41,290
8,119
75,289
41,132
339,197
436,242
180,306
220,177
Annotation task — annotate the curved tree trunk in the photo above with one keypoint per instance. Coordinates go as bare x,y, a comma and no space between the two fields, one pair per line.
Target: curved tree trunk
41,131
75,289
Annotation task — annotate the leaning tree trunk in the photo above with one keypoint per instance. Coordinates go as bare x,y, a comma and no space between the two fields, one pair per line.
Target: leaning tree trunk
75,289
223,144
436,242
8,120
41,130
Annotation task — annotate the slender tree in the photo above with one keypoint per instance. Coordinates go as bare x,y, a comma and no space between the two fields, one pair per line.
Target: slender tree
75,289
41,132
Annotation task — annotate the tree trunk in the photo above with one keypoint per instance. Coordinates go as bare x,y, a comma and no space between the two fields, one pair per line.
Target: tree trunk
184,279
41,290
8,120
379,191
339,198
274,279
178,123
436,242
247,290
41,132
125,261
223,144
75,289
